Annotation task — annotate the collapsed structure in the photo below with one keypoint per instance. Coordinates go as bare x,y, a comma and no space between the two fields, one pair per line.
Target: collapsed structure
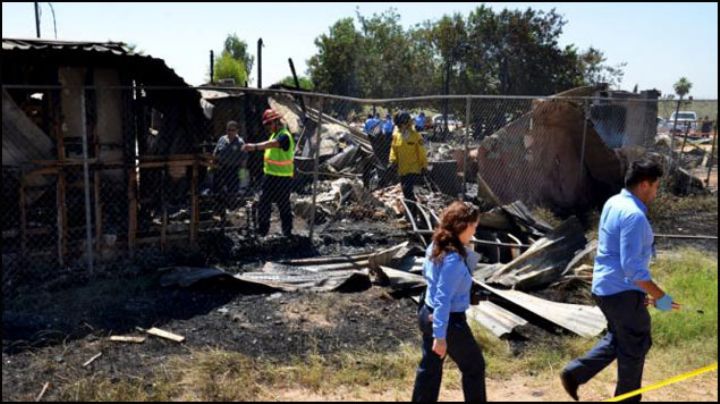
148,137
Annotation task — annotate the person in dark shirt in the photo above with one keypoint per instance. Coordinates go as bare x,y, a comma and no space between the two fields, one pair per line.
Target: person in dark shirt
230,159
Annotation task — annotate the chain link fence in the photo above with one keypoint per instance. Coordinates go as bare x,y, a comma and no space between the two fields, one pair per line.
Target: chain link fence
93,175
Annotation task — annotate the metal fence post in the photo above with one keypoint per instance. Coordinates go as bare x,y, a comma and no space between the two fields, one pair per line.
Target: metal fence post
586,116
86,181
672,135
712,154
468,120
315,168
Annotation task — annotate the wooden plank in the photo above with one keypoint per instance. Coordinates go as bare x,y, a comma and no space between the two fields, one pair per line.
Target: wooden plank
61,219
98,212
91,360
163,229
42,393
165,334
194,206
157,239
132,210
23,219
163,164
127,338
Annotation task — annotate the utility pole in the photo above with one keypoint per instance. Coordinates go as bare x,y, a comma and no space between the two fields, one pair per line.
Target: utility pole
37,19
212,67
259,56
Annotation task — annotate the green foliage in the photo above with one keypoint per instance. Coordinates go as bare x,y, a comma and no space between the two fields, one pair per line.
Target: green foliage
511,52
227,67
238,50
305,82
594,70
682,87
334,68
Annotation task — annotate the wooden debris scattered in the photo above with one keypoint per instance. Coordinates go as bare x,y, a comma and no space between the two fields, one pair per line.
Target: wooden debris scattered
42,393
127,338
91,360
165,334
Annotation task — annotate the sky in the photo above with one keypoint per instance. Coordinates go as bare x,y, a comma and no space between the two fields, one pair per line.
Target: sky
660,42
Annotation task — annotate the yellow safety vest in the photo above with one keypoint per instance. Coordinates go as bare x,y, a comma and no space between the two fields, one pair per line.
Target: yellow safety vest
277,161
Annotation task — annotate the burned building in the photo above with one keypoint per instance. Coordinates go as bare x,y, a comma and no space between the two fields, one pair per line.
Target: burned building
127,110
569,151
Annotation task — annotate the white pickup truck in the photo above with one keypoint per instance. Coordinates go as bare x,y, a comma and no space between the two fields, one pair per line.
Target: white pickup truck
684,118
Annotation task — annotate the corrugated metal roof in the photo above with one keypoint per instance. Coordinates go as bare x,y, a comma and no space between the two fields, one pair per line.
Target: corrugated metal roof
586,321
215,94
148,65
117,48
496,319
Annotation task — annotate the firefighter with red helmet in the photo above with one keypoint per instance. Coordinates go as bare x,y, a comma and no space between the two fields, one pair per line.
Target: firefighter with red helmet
278,167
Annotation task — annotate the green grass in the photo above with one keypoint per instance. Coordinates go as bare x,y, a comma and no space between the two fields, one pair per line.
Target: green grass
691,279
682,341
668,206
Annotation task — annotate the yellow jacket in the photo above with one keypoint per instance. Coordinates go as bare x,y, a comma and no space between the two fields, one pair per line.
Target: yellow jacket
408,154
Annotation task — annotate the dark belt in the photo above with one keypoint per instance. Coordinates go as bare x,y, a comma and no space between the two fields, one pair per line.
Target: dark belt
459,315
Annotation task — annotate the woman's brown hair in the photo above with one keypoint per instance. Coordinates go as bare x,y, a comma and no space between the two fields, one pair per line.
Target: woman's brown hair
454,220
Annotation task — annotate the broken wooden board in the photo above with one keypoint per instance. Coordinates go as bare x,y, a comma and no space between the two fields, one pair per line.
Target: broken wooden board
165,334
91,360
127,338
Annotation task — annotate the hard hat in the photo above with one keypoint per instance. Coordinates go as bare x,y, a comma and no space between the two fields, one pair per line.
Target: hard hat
270,115
402,117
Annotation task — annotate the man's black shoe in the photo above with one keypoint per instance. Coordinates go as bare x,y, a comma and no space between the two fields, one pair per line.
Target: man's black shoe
569,384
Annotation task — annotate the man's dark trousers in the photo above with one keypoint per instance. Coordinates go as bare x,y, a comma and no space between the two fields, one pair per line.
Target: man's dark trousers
627,339
275,190
462,348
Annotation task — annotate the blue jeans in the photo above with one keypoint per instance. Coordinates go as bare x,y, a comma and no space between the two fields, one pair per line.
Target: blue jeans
461,347
627,339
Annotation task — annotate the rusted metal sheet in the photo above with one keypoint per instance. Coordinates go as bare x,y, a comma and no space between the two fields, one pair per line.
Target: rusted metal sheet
585,321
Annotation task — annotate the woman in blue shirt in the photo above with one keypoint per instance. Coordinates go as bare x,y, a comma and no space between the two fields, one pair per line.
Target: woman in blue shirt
442,314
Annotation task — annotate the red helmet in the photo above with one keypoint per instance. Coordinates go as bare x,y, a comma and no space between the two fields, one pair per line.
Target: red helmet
270,115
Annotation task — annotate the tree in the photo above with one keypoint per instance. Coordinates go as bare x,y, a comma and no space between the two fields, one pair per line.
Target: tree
305,82
682,87
594,70
334,68
237,48
227,67
511,52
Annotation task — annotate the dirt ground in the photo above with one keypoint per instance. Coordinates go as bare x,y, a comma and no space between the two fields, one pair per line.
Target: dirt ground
49,332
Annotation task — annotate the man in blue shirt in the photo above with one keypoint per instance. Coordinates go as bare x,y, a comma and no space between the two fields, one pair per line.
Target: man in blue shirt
420,122
387,128
621,280
372,124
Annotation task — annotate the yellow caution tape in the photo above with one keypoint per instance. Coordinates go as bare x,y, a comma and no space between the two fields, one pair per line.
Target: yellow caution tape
665,382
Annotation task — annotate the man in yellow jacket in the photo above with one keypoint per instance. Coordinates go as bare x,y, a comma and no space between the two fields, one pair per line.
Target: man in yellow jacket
407,153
